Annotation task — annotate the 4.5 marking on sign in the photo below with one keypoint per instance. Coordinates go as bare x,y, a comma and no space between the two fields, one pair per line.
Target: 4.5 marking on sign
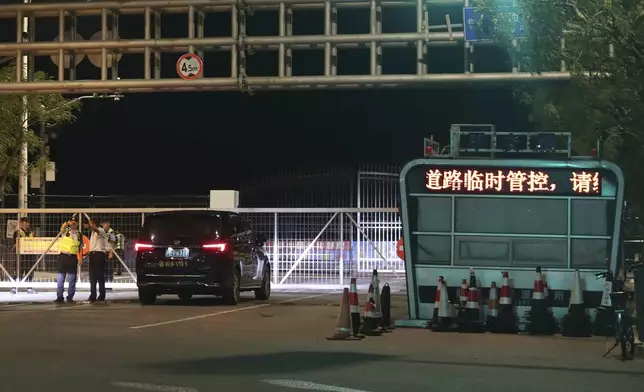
189,66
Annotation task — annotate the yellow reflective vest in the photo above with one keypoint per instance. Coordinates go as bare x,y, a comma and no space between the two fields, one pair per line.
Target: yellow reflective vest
68,244
23,234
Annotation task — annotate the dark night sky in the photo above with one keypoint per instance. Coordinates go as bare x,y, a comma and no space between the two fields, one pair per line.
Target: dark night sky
192,142
159,142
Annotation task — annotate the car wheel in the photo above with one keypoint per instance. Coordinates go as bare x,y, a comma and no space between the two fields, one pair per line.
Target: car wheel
264,292
232,294
147,297
185,297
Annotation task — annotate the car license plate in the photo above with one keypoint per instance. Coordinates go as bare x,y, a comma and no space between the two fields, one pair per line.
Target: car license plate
177,253
173,264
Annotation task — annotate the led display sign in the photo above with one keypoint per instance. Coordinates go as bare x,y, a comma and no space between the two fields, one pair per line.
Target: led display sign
513,181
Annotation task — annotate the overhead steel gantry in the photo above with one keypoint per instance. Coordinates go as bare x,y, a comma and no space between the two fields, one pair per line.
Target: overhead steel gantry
107,48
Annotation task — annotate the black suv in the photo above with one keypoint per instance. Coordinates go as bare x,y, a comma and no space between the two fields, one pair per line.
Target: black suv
200,252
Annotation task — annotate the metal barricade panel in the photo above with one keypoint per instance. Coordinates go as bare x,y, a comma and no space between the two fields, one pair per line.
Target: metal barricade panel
307,248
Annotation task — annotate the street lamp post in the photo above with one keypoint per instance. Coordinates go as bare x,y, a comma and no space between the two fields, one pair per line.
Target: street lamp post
24,152
44,150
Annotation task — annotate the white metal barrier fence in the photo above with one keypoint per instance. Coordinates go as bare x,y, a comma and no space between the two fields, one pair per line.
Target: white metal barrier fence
307,247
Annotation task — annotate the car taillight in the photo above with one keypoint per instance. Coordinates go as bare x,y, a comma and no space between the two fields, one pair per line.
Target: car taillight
139,246
216,246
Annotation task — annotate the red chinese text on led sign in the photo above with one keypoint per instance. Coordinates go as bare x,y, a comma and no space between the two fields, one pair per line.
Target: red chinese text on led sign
512,181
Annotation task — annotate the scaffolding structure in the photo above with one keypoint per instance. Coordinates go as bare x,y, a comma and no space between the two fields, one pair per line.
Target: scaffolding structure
106,47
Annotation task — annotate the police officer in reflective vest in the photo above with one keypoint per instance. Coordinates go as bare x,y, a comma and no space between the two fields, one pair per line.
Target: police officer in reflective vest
26,261
71,241
112,260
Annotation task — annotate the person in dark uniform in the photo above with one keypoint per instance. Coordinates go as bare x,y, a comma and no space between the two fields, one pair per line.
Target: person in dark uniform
26,261
98,248
71,241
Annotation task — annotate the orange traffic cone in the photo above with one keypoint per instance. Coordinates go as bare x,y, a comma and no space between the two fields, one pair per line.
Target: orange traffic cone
492,321
540,320
577,322
444,323
437,301
343,326
507,322
354,306
472,322
370,322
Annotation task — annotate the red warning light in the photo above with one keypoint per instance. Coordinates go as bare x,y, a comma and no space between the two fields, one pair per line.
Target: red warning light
593,153
429,150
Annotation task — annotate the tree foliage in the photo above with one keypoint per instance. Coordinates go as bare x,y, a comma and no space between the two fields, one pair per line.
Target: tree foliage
50,109
601,43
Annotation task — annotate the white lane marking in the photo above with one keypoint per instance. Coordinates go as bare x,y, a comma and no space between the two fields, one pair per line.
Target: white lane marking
298,384
227,312
151,387
199,317
307,297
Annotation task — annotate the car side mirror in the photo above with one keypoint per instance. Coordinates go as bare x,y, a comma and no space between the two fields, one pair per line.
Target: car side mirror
261,239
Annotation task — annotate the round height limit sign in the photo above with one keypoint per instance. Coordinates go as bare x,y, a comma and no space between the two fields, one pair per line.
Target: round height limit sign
189,66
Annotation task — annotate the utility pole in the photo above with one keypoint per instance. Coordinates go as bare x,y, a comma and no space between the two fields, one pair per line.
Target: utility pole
44,152
24,152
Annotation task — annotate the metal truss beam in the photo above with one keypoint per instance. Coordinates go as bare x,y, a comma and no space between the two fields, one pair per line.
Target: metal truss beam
106,51
272,83
138,7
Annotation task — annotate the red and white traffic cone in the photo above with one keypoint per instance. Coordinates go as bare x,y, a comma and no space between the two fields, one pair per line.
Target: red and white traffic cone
462,303
473,321
437,300
507,321
343,326
462,298
492,320
370,322
354,307
540,321
577,322
506,291
444,323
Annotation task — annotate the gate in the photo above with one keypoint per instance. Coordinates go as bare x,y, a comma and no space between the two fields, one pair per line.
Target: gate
379,190
308,248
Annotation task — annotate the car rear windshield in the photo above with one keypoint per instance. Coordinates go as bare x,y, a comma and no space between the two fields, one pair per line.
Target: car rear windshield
165,228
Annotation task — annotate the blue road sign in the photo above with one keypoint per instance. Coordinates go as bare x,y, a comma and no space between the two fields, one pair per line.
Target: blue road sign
479,27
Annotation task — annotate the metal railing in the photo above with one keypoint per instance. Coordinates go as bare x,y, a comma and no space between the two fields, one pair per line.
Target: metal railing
307,247
36,200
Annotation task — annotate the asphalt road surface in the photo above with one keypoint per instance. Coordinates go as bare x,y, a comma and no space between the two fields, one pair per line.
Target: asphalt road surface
280,345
